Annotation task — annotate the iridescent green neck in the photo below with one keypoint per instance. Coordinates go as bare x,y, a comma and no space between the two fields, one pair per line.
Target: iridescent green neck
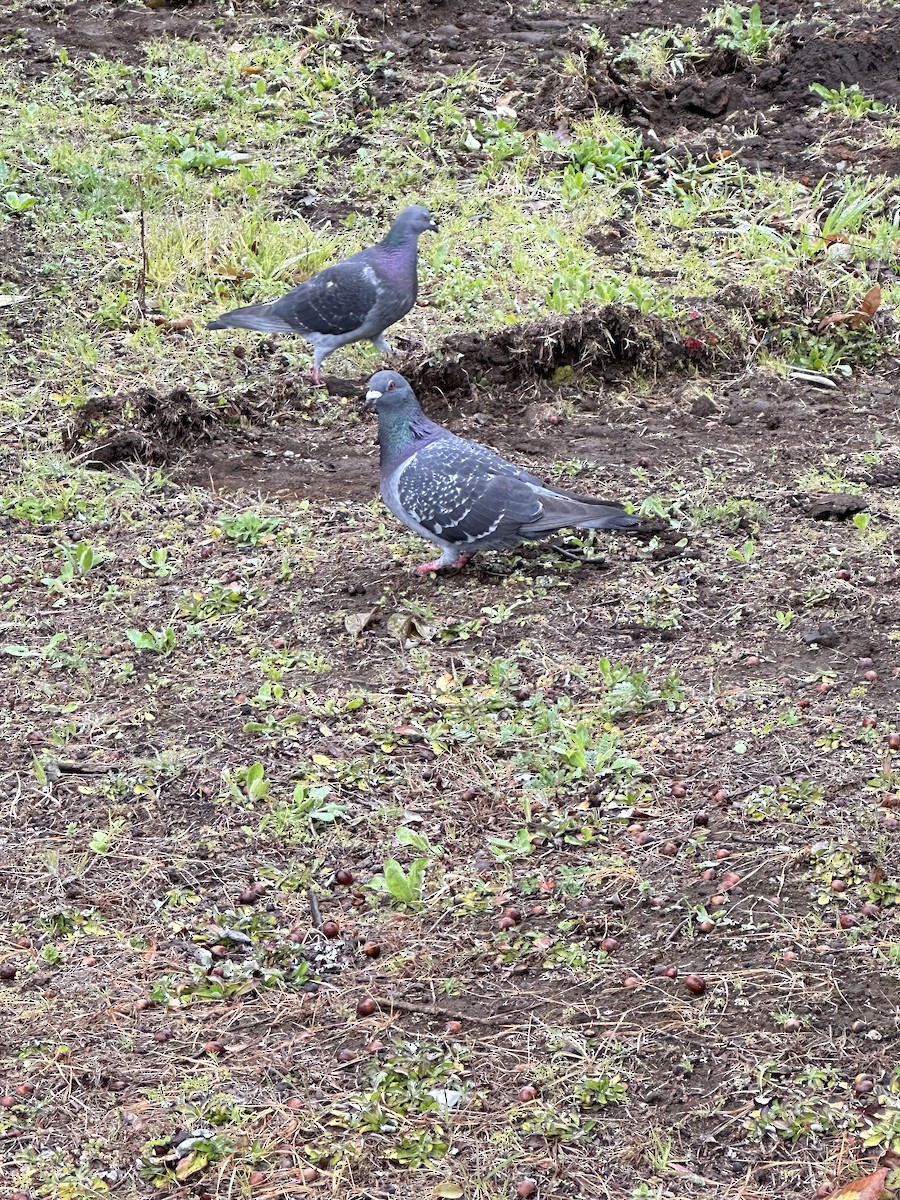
398,235
402,430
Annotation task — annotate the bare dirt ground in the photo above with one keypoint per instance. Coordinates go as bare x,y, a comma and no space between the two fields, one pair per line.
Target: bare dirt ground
675,975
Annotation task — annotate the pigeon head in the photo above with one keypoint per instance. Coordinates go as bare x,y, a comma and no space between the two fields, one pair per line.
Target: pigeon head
409,224
402,426
389,393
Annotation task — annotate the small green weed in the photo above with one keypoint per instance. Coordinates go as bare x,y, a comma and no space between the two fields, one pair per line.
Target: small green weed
849,101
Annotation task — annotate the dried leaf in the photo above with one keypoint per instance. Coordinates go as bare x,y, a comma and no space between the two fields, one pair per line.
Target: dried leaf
409,630
834,320
869,1187
871,301
194,1162
356,622
449,1191
504,106
860,316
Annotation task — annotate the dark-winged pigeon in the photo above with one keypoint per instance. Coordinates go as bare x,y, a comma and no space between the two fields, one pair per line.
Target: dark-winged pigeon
462,496
352,301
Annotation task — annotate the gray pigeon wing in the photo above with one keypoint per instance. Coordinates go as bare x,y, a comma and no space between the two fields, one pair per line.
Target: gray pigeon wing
454,490
335,302
559,507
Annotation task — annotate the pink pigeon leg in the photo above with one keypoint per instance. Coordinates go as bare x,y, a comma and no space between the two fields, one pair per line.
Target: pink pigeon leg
315,377
429,567
437,565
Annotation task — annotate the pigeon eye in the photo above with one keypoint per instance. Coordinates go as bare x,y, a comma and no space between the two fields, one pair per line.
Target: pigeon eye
391,387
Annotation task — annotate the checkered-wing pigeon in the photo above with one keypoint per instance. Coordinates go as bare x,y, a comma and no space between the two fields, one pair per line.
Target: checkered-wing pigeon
463,496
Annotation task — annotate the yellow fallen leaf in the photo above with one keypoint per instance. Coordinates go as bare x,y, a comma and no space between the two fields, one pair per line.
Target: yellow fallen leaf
449,1191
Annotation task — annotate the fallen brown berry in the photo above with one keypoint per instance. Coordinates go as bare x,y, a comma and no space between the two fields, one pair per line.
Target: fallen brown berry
791,1025
848,921
894,741
343,877
506,923
669,849
214,1048
370,949
695,984
7,1101
257,1178
345,1056
25,1090
7,971
678,790
705,926
294,1103
527,1094
610,945
308,1174
330,929
838,885
526,1188
366,1006
453,1027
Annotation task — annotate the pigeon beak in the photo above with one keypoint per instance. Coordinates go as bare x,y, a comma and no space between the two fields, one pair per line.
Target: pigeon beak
433,225
371,397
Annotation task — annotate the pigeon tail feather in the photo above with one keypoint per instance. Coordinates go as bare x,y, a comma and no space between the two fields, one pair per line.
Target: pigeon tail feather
596,515
255,316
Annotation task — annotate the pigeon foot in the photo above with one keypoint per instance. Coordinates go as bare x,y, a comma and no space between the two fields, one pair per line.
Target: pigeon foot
430,568
316,378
